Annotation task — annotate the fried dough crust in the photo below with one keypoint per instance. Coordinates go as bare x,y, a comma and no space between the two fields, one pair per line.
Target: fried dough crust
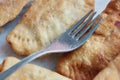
30,71
111,72
9,9
111,17
85,62
45,21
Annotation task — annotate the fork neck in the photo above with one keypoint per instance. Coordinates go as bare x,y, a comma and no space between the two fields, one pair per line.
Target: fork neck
57,46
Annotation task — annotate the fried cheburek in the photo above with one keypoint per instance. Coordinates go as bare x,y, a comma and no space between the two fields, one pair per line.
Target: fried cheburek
9,9
87,61
44,22
111,72
30,71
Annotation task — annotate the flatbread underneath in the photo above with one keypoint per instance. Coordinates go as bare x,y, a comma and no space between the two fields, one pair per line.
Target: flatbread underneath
30,71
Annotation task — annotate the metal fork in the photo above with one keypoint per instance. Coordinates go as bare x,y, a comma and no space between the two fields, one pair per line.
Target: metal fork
73,38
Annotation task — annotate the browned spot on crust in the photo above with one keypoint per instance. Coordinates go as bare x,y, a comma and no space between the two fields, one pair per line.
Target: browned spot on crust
86,62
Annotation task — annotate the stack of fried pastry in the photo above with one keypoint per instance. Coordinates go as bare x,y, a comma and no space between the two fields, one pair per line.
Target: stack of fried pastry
9,9
47,19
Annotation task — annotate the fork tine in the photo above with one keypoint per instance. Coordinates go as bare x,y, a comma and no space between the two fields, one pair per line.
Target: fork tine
84,25
87,28
89,33
79,22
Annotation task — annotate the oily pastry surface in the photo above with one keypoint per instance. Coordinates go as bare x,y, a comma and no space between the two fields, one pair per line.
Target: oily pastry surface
111,72
111,18
30,72
9,9
85,62
44,22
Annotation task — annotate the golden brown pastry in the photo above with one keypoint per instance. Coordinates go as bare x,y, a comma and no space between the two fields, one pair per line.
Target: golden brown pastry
9,9
111,19
44,22
85,62
30,72
111,72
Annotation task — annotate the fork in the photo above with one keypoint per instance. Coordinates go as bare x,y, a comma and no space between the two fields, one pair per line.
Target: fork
73,38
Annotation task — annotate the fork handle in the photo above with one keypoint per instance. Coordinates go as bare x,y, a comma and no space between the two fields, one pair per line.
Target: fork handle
24,61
